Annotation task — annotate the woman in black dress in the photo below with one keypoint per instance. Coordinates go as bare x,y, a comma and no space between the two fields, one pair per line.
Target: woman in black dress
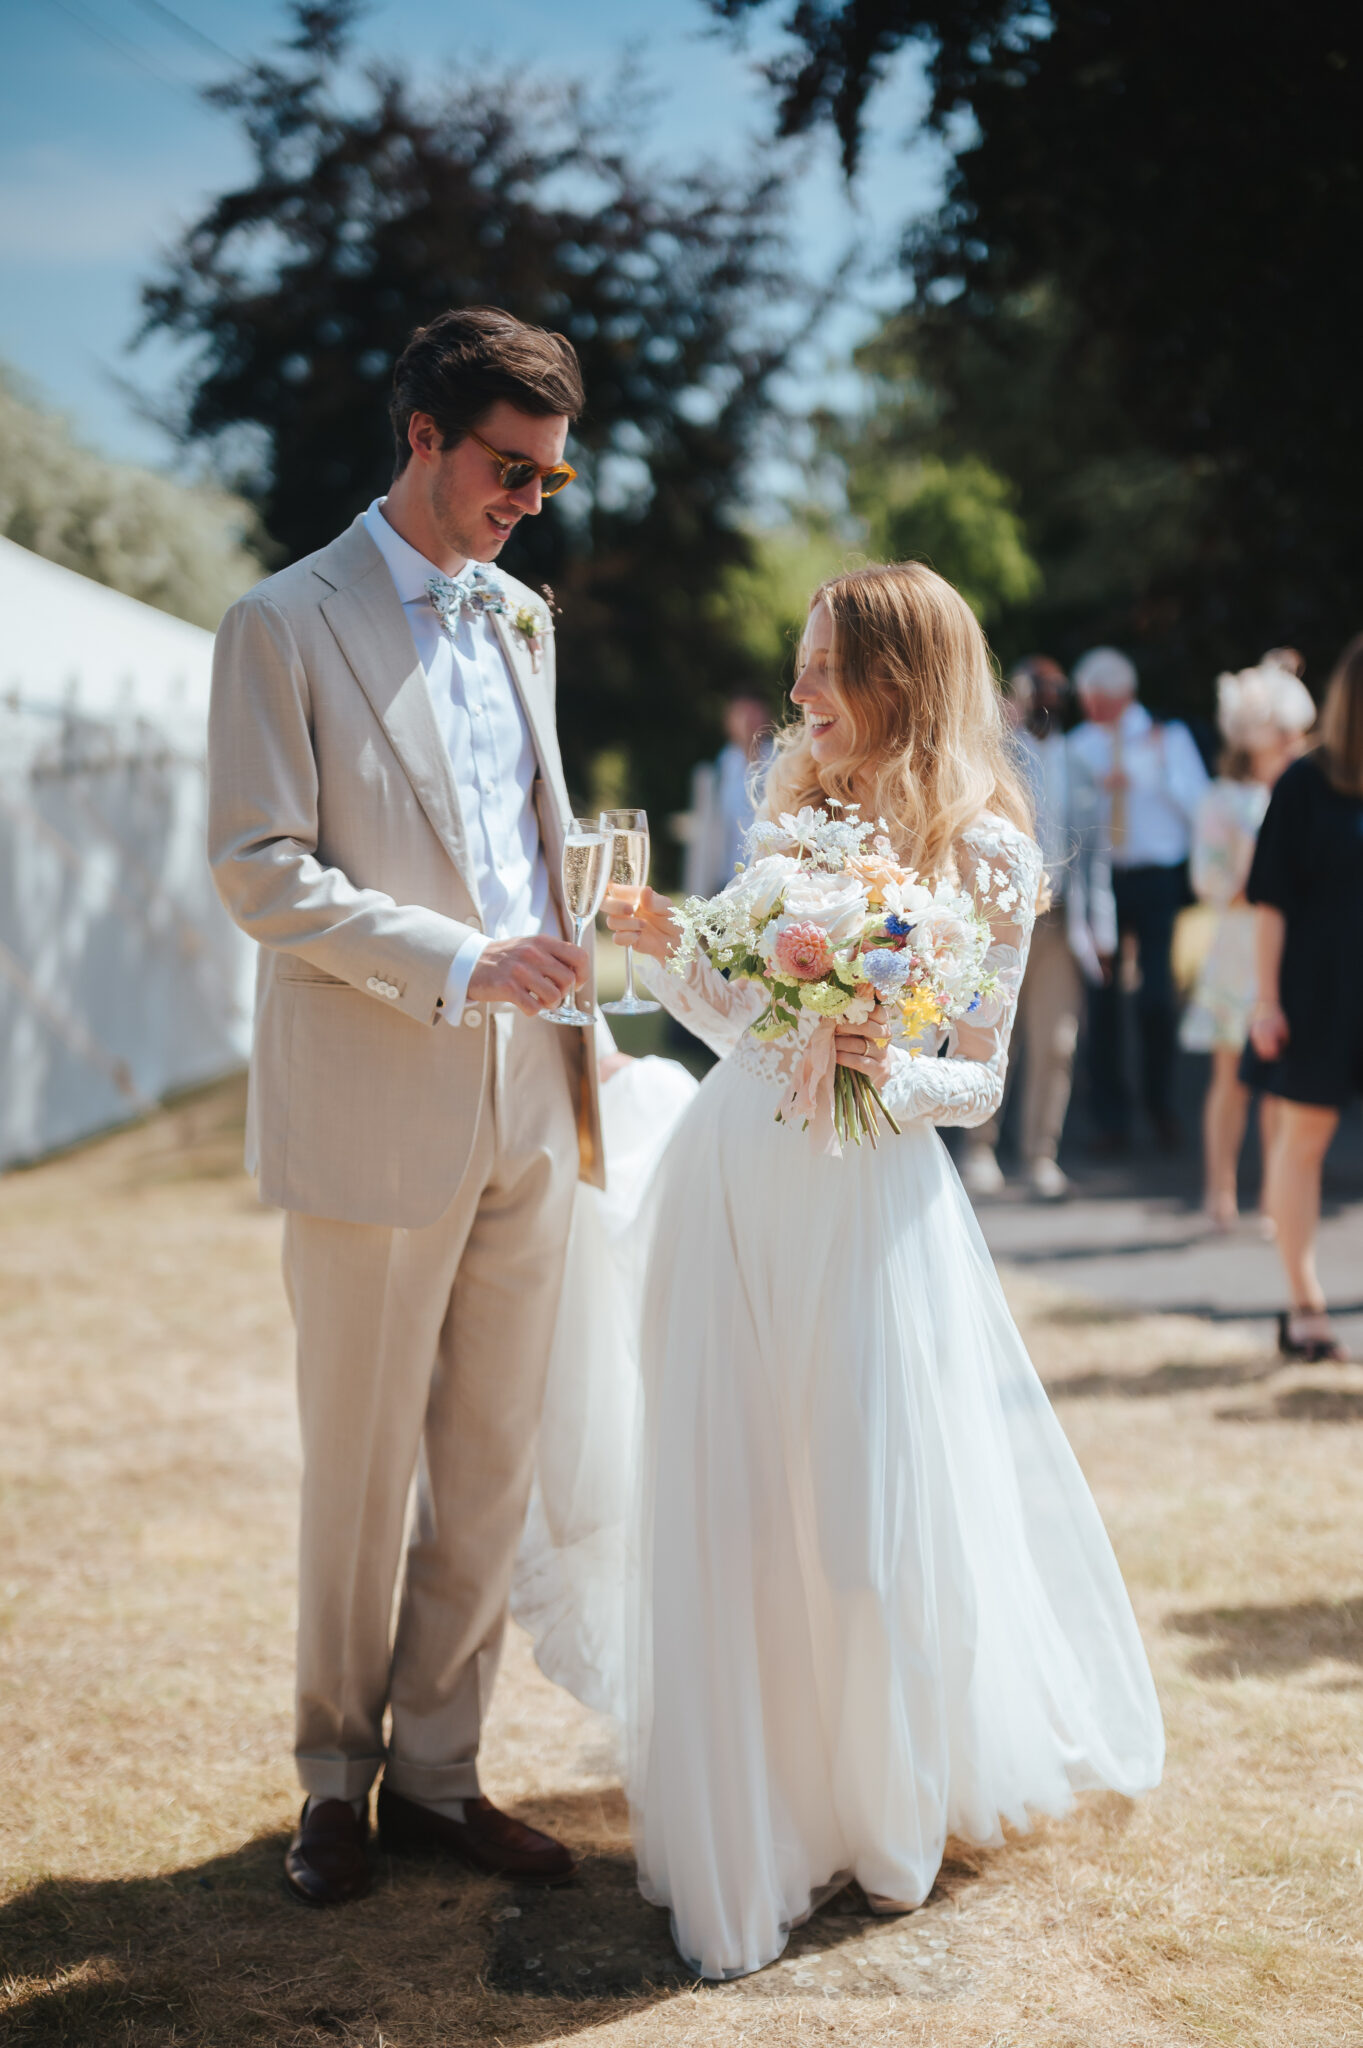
1306,1029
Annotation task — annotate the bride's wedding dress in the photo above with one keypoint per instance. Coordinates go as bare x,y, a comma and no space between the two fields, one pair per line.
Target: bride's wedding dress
804,1519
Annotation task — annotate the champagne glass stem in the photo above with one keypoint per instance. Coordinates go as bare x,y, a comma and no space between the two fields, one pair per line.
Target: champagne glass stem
580,932
629,975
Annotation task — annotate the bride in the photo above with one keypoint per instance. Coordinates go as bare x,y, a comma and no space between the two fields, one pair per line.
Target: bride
804,1520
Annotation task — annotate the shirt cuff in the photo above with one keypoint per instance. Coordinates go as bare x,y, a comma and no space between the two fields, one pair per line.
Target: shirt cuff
461,973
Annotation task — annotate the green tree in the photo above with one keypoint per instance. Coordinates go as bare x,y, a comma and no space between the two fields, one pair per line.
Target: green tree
1153,216
185,550
371,211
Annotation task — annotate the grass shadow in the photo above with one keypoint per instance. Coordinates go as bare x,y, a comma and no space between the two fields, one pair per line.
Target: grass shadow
219,1955
1168,1378
1270,1642
1301,1404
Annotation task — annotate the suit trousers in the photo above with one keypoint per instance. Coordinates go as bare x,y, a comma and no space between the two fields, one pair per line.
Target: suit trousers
1148,901
422,1356
1045,1034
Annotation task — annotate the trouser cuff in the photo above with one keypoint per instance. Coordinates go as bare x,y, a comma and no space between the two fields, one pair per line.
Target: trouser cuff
337,1777
427,1783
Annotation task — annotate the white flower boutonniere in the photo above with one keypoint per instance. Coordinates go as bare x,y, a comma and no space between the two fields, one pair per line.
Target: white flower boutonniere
532,624
529,621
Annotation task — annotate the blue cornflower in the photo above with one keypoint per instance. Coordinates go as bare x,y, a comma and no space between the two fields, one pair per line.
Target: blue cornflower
897,927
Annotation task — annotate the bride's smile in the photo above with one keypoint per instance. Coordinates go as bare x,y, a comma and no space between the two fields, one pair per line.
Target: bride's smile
816,693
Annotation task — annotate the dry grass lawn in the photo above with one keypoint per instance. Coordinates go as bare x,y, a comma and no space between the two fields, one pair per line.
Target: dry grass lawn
147,1468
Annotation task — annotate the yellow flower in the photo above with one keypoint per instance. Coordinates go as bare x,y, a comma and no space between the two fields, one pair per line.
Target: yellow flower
919,1008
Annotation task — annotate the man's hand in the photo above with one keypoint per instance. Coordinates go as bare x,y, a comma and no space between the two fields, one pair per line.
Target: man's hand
534,974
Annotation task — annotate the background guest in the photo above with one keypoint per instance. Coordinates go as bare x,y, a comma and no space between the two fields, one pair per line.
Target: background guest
1136,785
1047,1027
1306,1029
1262,713
721,796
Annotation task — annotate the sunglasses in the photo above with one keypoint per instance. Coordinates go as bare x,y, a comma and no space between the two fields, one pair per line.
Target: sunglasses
517,471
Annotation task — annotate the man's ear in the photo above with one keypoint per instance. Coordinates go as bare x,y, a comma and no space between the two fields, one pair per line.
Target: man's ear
424,437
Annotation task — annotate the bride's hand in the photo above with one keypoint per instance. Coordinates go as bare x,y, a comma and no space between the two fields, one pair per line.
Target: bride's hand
643,919
866,1047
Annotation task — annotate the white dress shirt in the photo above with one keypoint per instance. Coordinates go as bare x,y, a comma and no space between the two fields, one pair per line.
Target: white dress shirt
1166,782
478,711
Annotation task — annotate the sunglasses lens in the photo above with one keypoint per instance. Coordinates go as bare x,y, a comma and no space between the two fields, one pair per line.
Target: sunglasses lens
553,480
516,475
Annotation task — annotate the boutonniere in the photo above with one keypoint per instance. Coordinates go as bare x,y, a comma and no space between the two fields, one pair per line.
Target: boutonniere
529,621
532,624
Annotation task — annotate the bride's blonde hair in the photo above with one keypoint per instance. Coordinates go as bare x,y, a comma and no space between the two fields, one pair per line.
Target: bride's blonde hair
929,746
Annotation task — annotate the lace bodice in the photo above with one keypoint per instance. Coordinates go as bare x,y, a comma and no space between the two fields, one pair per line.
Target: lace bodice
955,1076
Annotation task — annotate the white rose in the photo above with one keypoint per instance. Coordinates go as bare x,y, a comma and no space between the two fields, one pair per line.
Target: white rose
760,885
946,942
905,899
836,903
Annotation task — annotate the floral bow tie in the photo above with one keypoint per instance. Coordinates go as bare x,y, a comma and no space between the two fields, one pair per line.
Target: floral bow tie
471,593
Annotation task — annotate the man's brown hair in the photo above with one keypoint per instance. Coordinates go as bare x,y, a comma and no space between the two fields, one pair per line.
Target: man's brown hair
458,367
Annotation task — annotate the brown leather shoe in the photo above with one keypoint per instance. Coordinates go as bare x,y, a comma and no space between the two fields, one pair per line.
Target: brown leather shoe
325,1863
486,1838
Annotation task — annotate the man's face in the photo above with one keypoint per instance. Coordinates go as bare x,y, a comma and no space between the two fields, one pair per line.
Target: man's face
473,514
1104,707
744,719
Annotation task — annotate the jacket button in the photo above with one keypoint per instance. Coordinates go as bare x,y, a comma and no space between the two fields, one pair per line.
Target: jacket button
389,989
473,1018
374,985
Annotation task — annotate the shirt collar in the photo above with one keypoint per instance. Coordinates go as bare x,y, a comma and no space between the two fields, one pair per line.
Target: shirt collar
1135,720
410,570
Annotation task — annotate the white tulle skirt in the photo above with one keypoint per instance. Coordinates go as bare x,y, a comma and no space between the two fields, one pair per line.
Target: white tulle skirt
806,1524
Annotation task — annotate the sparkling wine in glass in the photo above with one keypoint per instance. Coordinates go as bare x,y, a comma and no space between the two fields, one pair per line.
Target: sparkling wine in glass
628,874
586,871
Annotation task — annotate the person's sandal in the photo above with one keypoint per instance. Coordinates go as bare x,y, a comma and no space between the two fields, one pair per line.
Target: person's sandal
1306,1337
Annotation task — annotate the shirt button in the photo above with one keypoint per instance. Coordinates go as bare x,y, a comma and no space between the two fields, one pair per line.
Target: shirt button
473,1018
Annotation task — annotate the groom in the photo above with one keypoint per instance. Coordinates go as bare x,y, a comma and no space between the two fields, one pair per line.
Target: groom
386,819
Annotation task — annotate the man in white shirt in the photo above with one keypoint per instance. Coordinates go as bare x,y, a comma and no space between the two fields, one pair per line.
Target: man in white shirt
1136,786
387,808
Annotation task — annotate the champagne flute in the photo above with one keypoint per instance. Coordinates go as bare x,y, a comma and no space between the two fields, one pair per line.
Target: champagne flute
586,870
628,870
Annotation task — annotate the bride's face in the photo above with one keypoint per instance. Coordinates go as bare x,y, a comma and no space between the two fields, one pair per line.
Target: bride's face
816,693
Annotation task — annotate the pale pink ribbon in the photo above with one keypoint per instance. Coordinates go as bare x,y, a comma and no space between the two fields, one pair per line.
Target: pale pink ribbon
811,1094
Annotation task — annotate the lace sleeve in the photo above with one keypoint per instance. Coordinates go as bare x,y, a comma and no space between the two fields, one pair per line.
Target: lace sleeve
714,1010
965,1085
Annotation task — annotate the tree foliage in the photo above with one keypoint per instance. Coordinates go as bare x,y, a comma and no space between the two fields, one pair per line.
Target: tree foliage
372,210
1153,226
185,550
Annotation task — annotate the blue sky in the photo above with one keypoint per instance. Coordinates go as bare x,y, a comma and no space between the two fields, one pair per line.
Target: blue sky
105,148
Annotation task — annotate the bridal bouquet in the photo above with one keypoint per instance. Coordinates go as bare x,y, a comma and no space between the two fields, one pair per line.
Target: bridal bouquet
826,923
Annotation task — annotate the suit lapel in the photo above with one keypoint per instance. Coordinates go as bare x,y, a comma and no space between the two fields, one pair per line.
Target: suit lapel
551,792
371,630
537,705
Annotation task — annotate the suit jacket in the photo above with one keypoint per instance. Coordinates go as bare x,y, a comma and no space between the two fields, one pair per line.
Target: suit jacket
336,841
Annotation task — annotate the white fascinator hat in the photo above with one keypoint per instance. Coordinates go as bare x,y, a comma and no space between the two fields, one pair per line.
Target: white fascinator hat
1259,705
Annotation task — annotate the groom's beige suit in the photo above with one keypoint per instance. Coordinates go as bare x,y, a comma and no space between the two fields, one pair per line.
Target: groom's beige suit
427,1170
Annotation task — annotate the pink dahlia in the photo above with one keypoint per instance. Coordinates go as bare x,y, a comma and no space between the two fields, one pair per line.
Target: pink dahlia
803,952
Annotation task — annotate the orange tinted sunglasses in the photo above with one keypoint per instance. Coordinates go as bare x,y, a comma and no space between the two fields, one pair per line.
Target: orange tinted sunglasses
517,470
